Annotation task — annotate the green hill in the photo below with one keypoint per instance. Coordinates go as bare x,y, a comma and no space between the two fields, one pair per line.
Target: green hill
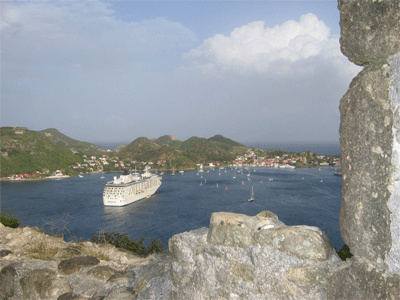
188,152
191,143
143,149
61,139
209,150
26,151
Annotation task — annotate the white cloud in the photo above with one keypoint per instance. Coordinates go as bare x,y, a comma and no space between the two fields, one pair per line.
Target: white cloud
256,48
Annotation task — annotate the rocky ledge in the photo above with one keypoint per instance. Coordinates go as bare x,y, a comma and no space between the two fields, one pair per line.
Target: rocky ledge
237,257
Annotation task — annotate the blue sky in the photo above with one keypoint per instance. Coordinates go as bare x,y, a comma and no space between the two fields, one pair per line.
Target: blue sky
112,71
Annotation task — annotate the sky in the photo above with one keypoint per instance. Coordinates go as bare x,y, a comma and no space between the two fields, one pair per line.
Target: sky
113,71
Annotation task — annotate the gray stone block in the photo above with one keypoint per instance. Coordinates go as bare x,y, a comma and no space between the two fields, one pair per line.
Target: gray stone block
370,29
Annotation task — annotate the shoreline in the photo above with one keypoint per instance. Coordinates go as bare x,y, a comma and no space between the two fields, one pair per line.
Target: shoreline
119,171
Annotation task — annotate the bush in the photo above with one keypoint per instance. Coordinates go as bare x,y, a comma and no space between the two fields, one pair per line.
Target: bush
344,253
122,241
9,220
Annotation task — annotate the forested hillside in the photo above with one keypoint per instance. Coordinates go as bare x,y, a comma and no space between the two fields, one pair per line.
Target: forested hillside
26,151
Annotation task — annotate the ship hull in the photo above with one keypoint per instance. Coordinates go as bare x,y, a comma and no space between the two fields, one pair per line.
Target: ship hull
129,199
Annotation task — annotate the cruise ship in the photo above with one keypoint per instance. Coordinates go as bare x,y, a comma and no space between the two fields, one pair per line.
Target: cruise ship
130,187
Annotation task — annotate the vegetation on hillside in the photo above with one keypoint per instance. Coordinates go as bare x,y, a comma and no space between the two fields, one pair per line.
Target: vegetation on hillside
9,220
123,241
183,153
25,151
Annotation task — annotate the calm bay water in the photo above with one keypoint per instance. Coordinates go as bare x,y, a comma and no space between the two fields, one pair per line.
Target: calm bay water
181,204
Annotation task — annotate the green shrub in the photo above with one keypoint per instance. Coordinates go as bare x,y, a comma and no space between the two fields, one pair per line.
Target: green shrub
122,241
344,253
9,220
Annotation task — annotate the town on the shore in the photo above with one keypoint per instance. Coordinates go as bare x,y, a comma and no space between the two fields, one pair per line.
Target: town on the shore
252,158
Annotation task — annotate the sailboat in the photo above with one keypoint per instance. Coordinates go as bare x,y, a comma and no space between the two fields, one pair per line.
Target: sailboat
252,195
173,172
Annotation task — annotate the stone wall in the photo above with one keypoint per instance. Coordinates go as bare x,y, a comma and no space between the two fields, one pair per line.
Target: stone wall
370,152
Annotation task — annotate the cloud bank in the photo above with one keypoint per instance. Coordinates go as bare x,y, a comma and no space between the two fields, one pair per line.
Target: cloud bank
256,48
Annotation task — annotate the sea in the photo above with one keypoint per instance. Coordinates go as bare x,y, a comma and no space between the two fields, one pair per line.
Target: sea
74,206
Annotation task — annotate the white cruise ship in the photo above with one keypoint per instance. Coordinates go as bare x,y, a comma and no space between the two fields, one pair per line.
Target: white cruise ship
130,187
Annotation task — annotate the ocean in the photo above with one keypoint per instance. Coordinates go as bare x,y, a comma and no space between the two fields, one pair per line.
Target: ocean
74,206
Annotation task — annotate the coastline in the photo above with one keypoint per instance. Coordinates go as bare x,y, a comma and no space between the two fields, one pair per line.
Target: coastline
4,179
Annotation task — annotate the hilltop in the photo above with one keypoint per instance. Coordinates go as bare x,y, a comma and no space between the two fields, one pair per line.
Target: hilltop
168,140
61,139
184,153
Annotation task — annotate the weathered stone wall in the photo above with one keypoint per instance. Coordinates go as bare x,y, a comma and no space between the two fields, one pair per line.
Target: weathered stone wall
369,146
370,152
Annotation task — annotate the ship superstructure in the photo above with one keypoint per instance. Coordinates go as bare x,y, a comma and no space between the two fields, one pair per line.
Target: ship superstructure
130,187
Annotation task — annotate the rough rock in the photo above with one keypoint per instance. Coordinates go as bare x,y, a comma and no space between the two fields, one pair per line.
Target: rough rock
302,241
113,276
215,264
239,230
102,272
8,282
361,280
74,264
43,284
366,148
370,29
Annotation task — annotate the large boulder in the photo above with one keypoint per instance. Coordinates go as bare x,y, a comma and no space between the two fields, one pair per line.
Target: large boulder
207,270
251,257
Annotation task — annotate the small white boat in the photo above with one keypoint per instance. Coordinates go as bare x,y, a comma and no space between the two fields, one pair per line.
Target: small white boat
80,175
102,177
252,195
